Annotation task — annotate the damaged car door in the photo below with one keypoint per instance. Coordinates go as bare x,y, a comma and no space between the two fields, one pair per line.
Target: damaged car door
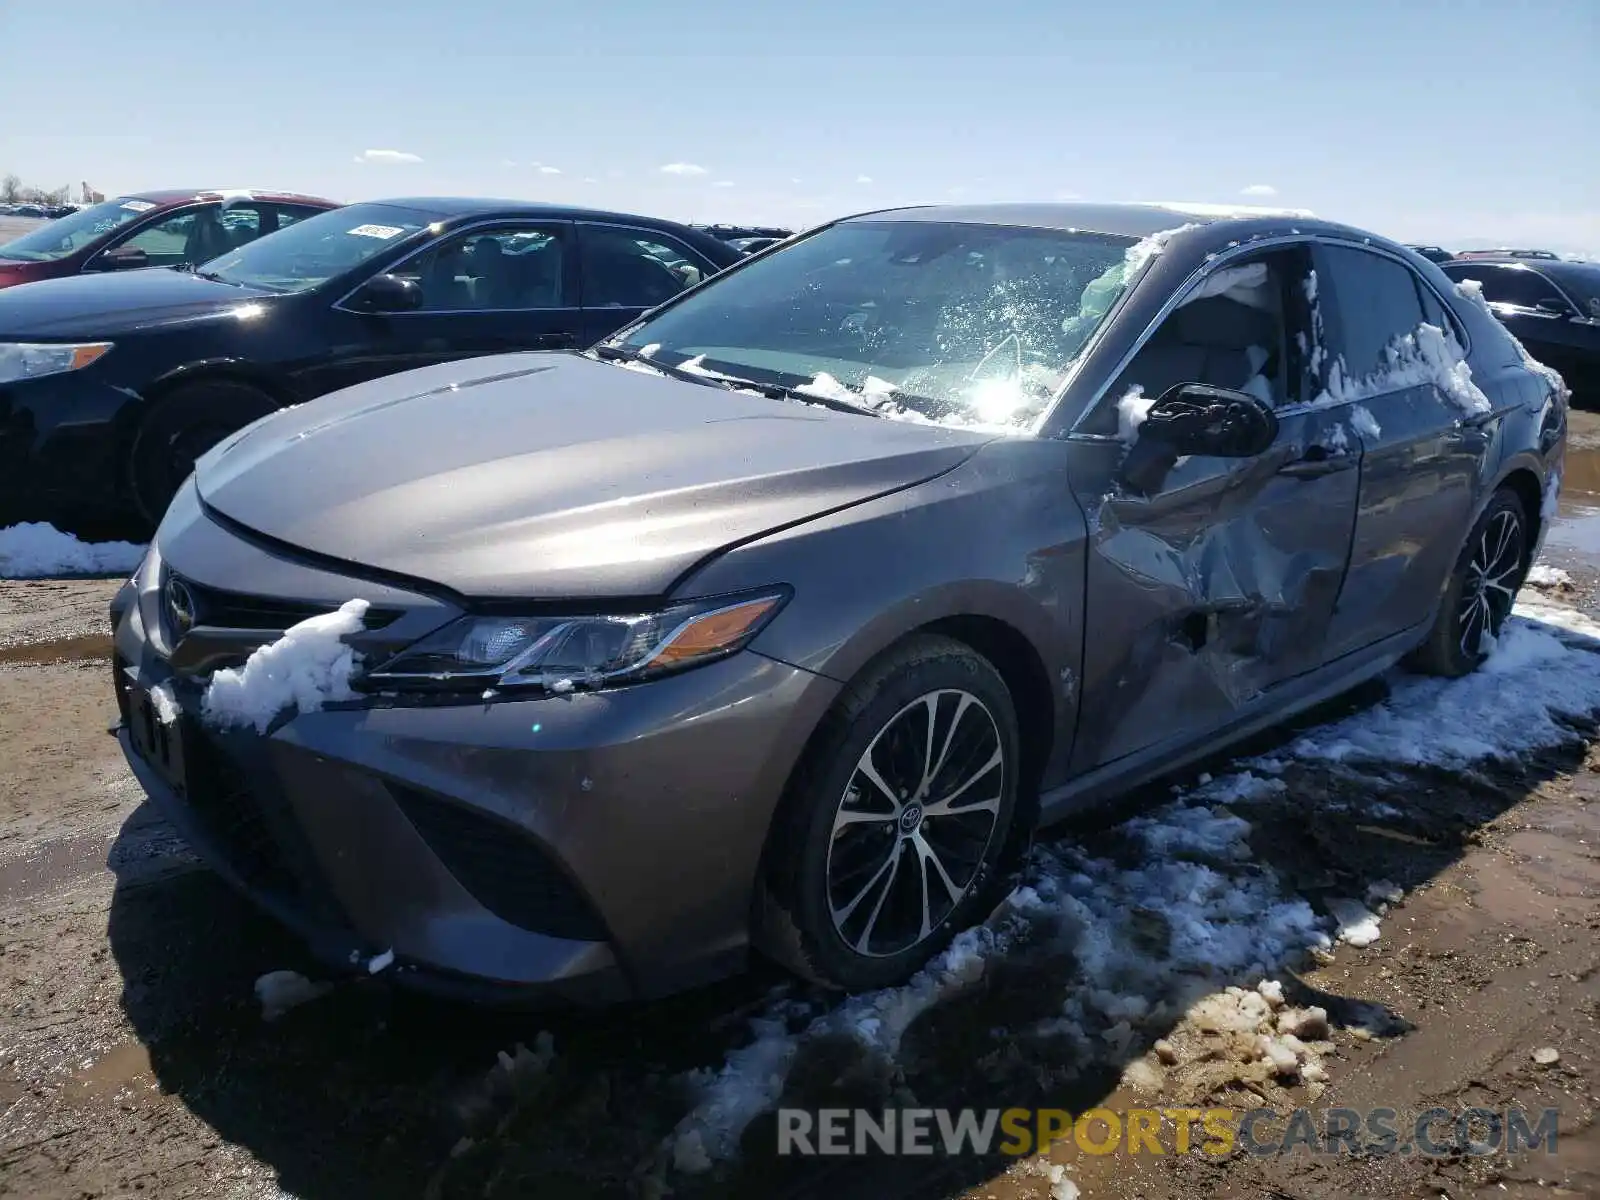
1211,576
1424,432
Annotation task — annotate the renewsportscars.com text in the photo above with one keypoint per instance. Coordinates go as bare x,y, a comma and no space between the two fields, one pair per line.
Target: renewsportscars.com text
1218,1132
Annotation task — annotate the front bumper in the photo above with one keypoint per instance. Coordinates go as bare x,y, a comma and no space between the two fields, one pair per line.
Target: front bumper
588,847
61,447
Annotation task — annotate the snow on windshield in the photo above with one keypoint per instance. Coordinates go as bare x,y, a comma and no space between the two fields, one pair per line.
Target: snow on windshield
962,325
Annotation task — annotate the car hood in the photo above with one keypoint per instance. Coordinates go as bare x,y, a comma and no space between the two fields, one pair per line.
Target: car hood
553,475
109,303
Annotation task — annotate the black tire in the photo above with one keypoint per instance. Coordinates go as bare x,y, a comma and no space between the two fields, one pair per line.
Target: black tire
835,824
178,429
1481,590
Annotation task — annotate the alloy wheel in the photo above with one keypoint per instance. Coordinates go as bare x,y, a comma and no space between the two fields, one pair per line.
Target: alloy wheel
1491,585
914,824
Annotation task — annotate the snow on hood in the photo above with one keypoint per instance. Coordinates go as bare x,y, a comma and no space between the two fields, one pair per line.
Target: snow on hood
308,665
1226,917
34,550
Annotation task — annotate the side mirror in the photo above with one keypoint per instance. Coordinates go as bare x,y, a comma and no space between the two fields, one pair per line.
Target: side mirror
123,258
1196,418
1555,307
388,294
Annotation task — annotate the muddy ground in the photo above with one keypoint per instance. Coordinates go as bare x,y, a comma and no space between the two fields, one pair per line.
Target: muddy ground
134,1056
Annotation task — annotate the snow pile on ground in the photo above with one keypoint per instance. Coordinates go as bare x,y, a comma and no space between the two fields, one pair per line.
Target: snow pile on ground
34,550
280,991
308,665
1163,934
1542,576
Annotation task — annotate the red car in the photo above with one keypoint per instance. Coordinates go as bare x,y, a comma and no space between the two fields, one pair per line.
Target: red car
152,229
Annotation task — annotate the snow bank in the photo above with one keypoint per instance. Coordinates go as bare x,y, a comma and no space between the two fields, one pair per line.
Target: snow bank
1162,933
1542,576
34,550
309,664
1540,671
280,991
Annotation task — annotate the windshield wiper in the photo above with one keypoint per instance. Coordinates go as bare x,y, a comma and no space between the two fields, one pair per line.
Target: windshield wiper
214,277
622,354
772,391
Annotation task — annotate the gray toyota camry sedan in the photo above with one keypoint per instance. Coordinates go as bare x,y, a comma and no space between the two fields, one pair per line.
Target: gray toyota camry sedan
782,618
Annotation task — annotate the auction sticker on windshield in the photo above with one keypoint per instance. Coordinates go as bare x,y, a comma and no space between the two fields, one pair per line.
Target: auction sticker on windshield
377,231
137,205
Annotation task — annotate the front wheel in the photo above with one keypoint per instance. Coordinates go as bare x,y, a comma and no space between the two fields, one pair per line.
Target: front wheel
1478,598
179,429
890,836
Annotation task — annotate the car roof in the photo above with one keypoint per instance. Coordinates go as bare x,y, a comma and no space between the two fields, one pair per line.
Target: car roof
455,208
1557,268
169,196
1217,223
450,207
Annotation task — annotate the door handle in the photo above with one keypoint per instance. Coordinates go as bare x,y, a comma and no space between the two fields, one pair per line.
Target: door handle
1317,463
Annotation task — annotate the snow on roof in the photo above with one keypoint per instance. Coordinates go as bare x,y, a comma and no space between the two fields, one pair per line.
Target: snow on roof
1222,211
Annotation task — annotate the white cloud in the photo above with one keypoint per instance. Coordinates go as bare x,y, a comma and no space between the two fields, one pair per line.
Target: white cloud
863,178
722,183
590,179
508,162
1258,189
387,156
543,170
683,168
796,179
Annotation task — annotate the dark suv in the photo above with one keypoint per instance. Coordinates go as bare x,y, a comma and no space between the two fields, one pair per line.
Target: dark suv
1552,305
151,229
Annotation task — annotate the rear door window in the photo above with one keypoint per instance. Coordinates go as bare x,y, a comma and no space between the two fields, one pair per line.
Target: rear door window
631,268
1378,300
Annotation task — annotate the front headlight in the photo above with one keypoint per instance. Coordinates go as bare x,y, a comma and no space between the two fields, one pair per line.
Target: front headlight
559,654
30,360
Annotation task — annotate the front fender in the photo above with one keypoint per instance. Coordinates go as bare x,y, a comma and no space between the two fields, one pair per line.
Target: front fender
1000,539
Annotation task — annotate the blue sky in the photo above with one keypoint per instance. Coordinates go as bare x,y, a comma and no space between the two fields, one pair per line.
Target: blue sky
1423,119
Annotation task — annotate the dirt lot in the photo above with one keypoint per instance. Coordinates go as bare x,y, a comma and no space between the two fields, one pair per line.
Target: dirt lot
134,1055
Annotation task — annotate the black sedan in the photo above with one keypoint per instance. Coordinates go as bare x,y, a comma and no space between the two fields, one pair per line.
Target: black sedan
1552,305
111,386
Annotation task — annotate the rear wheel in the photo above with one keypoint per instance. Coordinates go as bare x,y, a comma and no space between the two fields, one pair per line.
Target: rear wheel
891,833
1478,599
179,429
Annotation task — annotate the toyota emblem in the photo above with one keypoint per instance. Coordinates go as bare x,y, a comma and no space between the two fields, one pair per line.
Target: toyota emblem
179,602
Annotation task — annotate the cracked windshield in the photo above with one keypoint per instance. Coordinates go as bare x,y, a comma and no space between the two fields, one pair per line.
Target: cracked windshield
951,322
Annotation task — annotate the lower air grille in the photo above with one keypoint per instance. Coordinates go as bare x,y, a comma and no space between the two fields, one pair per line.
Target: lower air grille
503,869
